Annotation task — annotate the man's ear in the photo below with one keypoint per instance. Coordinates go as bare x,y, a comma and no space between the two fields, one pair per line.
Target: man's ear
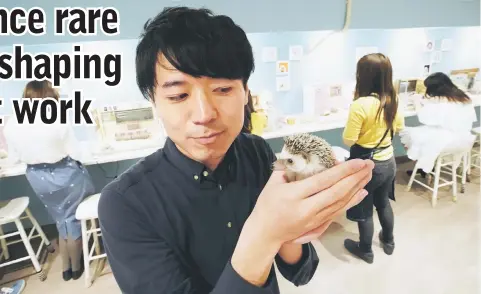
246,98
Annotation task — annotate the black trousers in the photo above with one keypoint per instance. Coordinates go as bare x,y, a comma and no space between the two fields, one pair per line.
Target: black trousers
366,228
380,191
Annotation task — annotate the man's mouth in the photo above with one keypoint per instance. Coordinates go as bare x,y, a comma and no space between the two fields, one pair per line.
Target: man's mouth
208,139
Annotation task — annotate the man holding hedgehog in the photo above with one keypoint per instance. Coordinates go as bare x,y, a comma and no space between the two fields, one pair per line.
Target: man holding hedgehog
207,213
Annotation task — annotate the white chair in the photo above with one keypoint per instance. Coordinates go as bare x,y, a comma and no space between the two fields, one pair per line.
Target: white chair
14,211
475,156
445,159
87,213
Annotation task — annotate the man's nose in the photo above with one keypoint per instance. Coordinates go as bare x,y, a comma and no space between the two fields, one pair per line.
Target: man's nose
205,110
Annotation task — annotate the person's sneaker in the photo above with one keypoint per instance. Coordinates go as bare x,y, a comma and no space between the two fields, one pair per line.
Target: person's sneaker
16,288
388,247
353,248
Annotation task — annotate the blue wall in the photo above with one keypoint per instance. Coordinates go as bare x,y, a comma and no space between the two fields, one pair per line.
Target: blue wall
332,62
275,15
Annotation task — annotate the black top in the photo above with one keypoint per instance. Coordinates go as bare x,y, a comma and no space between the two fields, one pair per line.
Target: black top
170,225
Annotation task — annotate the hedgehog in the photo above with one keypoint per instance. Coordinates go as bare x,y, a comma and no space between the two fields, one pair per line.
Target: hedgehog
304,155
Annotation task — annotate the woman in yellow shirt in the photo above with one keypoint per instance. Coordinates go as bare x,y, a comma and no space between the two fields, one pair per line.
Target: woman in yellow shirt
374,117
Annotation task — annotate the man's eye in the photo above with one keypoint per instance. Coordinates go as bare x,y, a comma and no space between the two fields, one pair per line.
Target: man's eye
224,90
178,97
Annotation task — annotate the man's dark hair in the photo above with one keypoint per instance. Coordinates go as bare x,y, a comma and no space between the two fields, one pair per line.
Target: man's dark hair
195,42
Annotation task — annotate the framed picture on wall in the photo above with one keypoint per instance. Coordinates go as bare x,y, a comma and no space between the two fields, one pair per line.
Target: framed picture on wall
447,45
282,68
436,56
430,44
335,91
426,70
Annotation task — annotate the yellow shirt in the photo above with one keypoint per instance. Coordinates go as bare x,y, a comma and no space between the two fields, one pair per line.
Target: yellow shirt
363,129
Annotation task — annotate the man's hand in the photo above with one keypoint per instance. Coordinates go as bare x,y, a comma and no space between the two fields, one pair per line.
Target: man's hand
317,232
314,234
285,211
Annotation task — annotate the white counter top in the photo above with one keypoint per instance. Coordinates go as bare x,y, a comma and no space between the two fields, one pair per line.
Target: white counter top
97,158
330,122
325,123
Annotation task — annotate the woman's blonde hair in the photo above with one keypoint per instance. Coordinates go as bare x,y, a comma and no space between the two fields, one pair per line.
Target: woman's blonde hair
40,89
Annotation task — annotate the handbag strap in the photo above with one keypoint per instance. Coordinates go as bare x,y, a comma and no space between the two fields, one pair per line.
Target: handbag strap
384,136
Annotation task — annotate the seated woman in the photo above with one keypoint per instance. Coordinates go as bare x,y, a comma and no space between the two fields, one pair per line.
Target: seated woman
446,114
58,178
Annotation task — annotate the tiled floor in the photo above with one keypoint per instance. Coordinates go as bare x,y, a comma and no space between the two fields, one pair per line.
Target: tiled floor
437,252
